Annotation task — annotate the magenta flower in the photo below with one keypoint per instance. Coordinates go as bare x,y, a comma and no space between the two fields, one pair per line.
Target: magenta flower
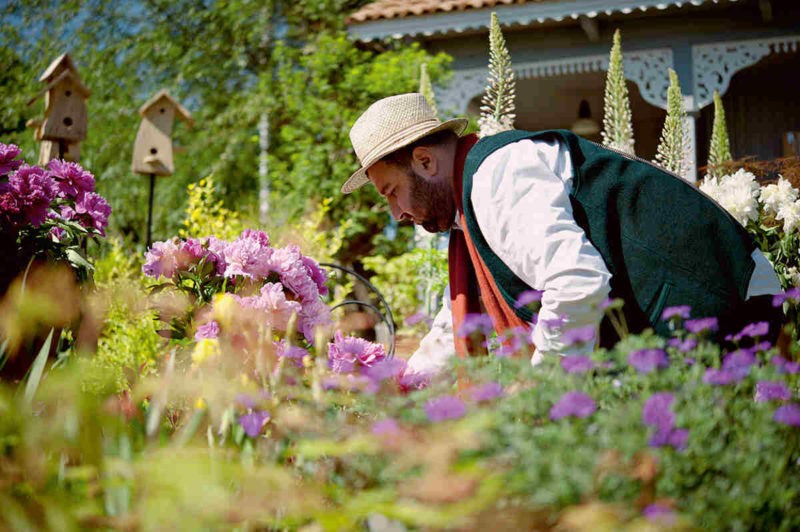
388,368
659,513
684,346
410,381
788,415
10,211
648,360
772,391
445,407
527,297
294,352
785,366
385,427
576,364
195,250
657,412
207,330
273,303
317,274
681,311
346,353
253,422
722,377
576,404
92,210
792,295
486,392
473,323
313,314
8,154
579,335
33,189
739,362
71,179
701,325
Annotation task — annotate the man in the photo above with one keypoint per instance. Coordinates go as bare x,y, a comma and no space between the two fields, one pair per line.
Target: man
552,212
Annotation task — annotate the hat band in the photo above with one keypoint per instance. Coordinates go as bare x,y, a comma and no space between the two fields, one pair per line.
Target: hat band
395,141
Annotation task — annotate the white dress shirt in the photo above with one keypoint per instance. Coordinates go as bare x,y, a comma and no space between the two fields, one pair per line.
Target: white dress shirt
520,196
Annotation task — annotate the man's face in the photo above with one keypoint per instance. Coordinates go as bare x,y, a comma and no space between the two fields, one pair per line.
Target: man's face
425,199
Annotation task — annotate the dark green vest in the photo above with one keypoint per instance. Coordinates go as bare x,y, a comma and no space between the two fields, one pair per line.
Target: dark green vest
664,242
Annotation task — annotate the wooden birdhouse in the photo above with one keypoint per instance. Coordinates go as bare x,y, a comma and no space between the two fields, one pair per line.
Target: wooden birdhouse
65,115
152,150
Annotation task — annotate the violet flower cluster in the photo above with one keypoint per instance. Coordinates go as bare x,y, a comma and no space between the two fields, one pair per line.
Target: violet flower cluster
286,282
32,196
657,413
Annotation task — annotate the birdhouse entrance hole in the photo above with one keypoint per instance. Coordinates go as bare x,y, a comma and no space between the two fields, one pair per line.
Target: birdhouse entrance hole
68,93
67,121
153,151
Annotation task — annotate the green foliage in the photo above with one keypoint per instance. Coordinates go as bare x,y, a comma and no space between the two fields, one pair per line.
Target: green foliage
674,144
410,280
498,102
617,119
720,150
206,216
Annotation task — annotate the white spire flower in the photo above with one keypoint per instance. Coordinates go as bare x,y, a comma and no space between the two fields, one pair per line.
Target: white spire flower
497,105
775,196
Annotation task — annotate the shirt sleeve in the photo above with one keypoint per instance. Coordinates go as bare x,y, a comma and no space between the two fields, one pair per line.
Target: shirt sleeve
437,346
520,196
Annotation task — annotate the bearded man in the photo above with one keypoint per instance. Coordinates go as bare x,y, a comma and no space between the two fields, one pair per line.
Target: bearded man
552,212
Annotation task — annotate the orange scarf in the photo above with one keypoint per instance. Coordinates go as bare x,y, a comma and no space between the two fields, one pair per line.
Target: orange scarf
468,272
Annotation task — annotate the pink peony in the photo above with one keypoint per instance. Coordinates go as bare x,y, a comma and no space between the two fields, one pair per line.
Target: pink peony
8,161
272,301
346,353
92,210
33,189
162,259
71,180
249,255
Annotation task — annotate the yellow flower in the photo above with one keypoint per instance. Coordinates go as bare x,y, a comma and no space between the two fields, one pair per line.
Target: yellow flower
200,404
225,309
205,349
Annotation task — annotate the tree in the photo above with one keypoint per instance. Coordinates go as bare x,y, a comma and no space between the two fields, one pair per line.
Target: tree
720,150
617,121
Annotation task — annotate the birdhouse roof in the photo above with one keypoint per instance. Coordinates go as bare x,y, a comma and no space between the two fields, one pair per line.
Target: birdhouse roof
63,59
183,114
66,75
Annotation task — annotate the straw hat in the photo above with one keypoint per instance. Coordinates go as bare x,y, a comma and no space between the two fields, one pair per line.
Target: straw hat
388,125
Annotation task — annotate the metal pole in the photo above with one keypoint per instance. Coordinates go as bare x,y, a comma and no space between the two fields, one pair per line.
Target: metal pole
62,148
150,211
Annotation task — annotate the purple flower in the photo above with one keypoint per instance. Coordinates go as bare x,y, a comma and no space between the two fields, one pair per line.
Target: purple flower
385,427
656,411
788,415
579,335
772,391
92,210
681,311
417,317
247,401
207,330
701,325
659,513
527,297
388,368
648,360
293,352
472,323
410,381
445,407
576,364
486,392
575,404
345,353
71,179
722,377
253,422
317,274
785,366
249,255
33,189
272,302
753,330
684,346
792,295
739,362
161,260
9,152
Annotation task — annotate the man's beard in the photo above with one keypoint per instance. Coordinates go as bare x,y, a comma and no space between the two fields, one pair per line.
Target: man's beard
437,203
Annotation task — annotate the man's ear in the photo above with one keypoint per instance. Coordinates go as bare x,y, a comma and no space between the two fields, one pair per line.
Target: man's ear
423,158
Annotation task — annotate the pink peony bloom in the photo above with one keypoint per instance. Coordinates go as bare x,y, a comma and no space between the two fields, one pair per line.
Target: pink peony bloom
8,158
346,353
272,301
92,210
33,189
71,180
249,255
161,260
207,330
317,274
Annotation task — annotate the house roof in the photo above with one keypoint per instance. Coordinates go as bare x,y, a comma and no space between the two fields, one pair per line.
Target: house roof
65,75
183,113
63,60
399,18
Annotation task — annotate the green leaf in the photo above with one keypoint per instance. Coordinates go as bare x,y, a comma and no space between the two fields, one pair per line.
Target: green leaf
37,369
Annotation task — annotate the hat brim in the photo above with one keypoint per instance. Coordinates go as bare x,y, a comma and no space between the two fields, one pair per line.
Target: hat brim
359,177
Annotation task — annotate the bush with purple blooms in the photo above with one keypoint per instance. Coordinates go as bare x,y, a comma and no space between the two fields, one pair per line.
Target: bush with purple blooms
46,214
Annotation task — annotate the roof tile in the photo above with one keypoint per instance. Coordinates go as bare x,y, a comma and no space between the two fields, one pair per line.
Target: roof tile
385,9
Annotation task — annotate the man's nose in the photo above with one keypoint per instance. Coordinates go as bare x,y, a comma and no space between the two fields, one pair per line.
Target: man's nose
398,213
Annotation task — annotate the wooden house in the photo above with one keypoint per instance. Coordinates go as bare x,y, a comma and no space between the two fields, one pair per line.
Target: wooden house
152,149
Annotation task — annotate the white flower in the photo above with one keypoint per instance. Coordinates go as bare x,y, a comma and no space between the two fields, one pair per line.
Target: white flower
793,274
489,126
736,193
790,214
775,196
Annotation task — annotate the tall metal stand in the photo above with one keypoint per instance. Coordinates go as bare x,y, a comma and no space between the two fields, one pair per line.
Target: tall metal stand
150,211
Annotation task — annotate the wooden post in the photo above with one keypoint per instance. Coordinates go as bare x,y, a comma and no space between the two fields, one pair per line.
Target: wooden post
150,211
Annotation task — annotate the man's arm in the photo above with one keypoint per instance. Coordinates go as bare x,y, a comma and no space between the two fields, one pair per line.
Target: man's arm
521,200
437,346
